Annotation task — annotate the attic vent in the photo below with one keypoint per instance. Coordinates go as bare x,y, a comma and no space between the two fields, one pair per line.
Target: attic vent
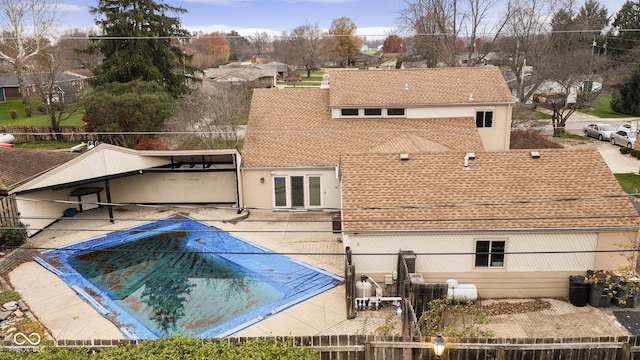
404,157
535,155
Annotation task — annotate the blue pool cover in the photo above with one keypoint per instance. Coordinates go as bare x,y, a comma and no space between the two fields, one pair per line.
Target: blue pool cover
181,276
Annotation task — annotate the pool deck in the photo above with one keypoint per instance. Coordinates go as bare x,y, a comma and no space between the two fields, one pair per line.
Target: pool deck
306,236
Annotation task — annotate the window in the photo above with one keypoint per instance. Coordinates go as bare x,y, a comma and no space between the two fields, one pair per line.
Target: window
490,253
349,112
395,112
484,119
372,112
297,191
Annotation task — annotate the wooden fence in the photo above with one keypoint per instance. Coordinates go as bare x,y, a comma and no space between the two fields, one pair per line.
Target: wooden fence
8,211
45,133
370,347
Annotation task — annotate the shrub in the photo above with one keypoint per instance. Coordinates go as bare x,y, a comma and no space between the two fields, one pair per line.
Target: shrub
28,110
13,114
150,144
635,153
531,139
42,108
625,150
13,237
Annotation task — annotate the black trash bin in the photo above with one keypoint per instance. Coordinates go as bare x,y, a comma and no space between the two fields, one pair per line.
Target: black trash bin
578,290
599,295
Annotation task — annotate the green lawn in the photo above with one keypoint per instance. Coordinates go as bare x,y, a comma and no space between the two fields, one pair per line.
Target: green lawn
47,145
37,119
630,182
601,108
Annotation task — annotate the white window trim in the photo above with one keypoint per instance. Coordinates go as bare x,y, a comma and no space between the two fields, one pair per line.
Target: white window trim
287,183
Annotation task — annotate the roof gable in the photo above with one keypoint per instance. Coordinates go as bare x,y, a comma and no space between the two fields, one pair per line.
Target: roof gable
19,165
433,86
500,190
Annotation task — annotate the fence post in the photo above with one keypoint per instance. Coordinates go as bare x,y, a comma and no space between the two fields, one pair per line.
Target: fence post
626,351
368,351
500,354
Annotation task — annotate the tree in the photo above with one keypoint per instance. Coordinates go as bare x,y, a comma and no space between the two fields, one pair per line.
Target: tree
262,42
215,114
241,48
625,35
26,28
343,43
393,44
58,101
209,50
305,43
136,106
140,42
625,99
72,46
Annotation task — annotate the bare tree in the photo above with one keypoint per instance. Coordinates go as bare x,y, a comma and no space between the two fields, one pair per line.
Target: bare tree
306,43
263,42
216,114
26,27
526,40
57,100
72,46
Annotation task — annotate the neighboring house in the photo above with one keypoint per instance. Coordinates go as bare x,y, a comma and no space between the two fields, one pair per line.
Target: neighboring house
18,166
236,75
513,224
112,174
592,83
291,153
279,67
69,83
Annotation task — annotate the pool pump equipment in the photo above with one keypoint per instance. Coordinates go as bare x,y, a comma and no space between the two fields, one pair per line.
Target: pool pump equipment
365,300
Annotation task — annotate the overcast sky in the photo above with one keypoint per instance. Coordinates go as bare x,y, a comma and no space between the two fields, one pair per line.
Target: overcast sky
372,17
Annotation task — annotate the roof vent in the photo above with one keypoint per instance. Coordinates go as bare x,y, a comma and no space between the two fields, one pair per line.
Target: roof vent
404,157
466,162
471,155
535,155
406,86
470,97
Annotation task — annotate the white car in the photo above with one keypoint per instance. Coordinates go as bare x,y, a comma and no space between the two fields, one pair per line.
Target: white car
599,131
623,138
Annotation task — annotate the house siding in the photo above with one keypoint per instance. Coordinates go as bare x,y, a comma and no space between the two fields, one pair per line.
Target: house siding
575,254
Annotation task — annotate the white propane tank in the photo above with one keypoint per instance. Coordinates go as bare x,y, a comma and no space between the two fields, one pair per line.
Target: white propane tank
461,292
363,288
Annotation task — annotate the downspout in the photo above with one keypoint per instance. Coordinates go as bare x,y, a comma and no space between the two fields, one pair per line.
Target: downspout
109,206
237,175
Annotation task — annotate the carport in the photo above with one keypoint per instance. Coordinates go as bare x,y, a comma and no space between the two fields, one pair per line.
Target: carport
109,175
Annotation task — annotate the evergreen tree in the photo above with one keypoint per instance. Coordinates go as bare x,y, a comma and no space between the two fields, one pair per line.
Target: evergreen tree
140,42
624,35
625,99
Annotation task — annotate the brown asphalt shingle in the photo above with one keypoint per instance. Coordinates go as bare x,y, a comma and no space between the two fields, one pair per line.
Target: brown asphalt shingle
18,165
501,190
418,86
293,127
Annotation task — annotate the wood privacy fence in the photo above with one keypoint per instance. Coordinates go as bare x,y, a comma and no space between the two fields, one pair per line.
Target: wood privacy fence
45,133
8,211
370,347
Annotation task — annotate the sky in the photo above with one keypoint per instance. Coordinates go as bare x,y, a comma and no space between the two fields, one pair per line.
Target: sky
374,18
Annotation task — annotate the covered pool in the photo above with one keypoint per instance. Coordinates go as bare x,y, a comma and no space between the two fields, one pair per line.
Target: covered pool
182,276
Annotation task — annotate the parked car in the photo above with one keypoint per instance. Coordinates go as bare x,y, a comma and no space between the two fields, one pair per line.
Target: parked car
628,127
599,131
624,138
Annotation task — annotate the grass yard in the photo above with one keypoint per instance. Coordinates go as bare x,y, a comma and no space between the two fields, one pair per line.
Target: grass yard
47,145
37,119
630,182
601,108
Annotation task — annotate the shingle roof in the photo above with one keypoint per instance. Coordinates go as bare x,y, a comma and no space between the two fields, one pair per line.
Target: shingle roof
293,127
501,190
18,165
423,86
